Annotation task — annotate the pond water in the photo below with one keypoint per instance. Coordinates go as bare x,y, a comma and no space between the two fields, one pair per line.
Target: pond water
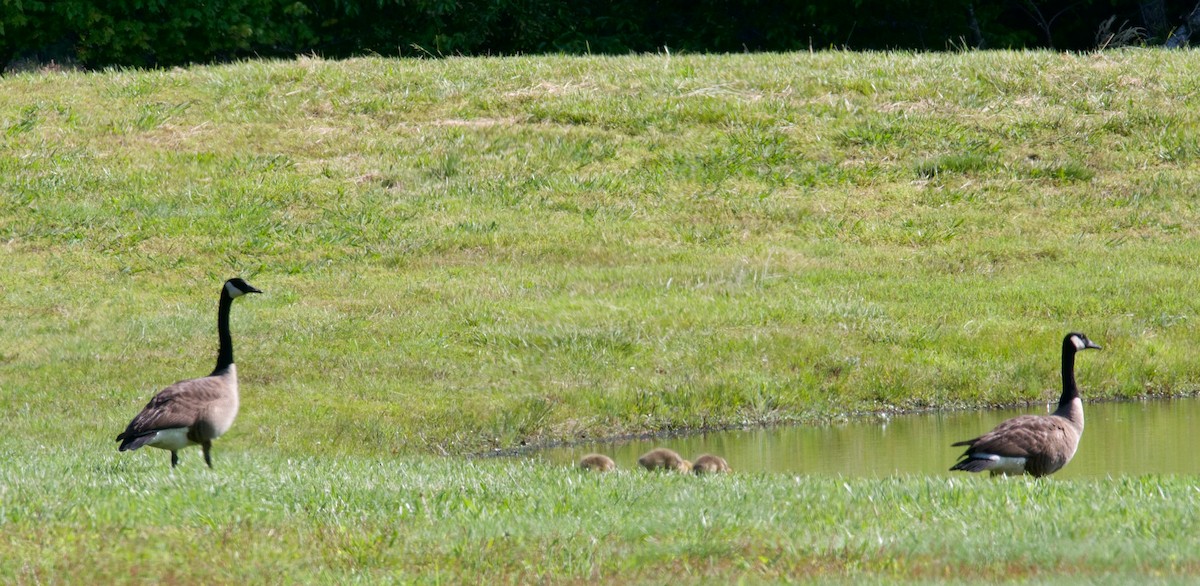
1122,438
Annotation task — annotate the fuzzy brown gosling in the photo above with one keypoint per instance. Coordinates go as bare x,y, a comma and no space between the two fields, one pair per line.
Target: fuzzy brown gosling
664,459
597,462
710,464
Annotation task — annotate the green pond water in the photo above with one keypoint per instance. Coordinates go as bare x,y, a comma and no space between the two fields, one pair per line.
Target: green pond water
1125,438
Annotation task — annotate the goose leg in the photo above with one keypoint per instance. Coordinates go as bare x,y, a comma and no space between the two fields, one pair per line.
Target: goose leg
174,459
207,453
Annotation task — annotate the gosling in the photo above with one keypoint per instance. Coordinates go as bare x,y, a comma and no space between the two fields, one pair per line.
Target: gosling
710,464
597,462
664,459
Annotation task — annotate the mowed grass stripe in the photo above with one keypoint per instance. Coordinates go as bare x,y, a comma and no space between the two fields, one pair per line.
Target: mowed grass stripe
113,519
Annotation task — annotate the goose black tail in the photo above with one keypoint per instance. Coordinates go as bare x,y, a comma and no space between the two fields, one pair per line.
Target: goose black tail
971,465
133,443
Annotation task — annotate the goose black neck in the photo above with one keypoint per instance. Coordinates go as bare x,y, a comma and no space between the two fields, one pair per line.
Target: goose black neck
225,350
1070,390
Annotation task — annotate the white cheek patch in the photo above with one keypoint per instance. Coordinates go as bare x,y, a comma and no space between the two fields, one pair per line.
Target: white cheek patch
1079,343
235,292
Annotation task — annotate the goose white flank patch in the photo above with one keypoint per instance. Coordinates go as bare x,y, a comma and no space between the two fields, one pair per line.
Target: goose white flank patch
1037,445
195,411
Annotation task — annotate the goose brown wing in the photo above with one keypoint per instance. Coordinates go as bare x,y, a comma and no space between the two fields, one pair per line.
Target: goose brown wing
1024,437
175,406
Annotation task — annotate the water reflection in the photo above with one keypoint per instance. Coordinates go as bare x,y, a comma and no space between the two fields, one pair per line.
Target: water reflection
1145,437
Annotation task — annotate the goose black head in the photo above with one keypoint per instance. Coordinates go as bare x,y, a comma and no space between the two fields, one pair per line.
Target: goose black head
236,287
1080,341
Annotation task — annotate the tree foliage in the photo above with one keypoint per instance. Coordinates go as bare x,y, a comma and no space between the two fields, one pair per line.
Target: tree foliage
168,32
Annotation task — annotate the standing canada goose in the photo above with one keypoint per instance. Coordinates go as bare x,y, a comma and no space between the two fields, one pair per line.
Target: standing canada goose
597,462
710,464
664,459
194,411
1034,444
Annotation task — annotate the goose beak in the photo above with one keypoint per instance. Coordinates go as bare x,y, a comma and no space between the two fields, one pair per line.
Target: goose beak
1091,344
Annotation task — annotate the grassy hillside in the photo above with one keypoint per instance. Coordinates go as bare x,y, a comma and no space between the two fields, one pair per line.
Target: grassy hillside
467,254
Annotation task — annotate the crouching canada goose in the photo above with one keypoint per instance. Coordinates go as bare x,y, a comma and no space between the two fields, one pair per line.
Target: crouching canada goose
710,464
195,411
597,462
664,459
1034,444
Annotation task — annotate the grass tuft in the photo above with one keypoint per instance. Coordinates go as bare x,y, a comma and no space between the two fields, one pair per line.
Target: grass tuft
955,163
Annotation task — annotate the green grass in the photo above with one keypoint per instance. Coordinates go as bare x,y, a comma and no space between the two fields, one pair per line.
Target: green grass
270,519
467,254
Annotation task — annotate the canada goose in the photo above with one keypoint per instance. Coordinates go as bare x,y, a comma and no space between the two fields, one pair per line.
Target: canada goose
194,411
597,462
710,464
1034,444
664,459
